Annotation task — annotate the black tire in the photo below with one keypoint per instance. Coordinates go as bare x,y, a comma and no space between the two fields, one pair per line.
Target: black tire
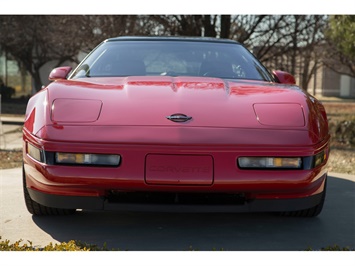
38,209
311,212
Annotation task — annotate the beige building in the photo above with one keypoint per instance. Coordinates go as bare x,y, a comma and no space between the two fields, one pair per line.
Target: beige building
320,79
338,85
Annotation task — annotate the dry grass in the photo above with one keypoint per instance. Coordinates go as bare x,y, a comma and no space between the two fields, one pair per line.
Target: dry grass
10,159
342,154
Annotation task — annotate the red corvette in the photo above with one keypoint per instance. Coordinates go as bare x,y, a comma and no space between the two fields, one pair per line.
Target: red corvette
176,124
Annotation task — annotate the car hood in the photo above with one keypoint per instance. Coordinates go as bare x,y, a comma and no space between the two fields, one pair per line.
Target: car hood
148,101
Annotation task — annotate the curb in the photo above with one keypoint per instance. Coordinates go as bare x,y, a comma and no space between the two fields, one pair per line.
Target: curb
12,120
18,123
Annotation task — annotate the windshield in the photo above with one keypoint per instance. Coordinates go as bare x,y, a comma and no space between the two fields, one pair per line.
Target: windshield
171,58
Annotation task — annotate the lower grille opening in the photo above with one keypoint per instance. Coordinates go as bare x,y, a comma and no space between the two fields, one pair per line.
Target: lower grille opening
176,198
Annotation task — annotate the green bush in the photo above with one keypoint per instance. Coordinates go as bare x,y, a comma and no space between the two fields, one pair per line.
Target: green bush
333,248
72,245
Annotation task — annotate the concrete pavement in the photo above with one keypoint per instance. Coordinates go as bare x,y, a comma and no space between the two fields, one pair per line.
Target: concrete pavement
140,231
135,231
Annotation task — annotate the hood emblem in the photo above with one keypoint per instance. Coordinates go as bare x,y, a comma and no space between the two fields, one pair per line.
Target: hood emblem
179,118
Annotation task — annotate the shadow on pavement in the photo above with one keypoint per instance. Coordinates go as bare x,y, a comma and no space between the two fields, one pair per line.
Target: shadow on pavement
235,232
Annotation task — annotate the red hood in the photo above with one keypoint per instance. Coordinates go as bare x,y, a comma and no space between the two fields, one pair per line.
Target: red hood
211,102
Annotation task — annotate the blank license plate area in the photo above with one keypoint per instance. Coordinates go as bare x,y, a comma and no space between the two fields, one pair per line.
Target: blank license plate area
179,169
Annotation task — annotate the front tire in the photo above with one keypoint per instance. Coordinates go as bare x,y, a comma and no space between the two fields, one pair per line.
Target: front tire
38,209
311,212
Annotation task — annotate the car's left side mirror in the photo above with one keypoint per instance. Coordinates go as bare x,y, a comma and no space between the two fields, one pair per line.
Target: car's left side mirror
59,73
284,77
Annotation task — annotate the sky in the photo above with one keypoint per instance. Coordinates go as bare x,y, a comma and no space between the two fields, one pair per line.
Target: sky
177,7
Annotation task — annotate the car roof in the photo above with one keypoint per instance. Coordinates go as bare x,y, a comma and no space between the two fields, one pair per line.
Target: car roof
171,38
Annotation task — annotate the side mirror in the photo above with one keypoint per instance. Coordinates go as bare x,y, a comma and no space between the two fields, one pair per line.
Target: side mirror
284,77
59,73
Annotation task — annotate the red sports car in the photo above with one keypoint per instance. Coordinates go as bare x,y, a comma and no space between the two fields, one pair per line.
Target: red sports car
174,124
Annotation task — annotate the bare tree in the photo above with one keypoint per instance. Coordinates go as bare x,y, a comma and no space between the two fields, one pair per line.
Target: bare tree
278,41
35,40
310,53
289,43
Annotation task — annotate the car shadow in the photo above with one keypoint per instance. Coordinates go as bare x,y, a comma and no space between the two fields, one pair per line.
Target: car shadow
194,231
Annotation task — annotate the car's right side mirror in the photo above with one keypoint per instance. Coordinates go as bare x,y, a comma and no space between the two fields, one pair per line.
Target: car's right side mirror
284,77
59,73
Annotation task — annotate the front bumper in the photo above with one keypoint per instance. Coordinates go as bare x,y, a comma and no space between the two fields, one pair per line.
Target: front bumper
101,203
81,187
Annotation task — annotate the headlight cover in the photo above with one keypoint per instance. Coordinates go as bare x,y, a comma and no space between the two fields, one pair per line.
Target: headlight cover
280,114
75,110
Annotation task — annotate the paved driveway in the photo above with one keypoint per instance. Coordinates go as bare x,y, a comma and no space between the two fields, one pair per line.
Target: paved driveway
172,231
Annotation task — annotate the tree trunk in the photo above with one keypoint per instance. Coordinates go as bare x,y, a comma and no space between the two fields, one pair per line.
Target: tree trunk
23,72
209,27
225,26
36,81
